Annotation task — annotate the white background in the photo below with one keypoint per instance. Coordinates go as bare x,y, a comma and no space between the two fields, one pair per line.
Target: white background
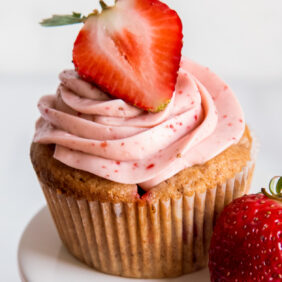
241,40
234,37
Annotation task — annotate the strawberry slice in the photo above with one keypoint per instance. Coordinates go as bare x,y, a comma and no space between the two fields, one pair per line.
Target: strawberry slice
132,51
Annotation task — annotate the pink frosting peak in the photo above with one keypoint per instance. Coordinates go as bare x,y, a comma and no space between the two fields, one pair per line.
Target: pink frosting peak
112,139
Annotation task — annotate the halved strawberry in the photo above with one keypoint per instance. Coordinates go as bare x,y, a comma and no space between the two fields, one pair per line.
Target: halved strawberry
132,51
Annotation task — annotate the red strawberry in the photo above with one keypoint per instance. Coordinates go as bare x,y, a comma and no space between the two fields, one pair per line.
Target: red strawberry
247,240
132,51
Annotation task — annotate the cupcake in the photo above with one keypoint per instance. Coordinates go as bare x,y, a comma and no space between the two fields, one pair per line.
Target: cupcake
140,148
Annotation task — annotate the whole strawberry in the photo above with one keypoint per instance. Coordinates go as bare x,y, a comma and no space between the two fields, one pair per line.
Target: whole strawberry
247,239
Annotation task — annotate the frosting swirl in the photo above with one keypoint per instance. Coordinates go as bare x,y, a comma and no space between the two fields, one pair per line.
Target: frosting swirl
112,139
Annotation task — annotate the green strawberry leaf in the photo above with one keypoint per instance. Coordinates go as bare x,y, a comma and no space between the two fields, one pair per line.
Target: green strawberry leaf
58,20
275,190
279,186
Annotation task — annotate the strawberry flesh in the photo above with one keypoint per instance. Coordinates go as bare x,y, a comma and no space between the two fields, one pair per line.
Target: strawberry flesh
132,51
247,241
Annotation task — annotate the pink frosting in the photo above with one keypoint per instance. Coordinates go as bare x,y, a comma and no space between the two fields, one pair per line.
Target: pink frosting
112,139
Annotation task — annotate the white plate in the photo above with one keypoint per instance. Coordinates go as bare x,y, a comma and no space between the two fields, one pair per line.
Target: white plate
42,257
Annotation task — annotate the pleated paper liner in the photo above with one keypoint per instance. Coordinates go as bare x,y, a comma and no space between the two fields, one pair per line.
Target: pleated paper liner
165,238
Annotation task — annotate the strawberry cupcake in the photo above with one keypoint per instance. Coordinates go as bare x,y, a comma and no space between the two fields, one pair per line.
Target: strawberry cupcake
140,148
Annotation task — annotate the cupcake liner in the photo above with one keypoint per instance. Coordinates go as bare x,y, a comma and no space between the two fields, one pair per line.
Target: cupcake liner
145,239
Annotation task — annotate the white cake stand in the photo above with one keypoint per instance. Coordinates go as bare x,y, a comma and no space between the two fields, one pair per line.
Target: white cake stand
43,258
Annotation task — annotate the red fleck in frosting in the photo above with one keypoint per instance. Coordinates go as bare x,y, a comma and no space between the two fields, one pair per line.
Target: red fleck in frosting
117,141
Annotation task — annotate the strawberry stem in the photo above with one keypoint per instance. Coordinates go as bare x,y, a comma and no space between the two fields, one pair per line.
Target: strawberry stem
275,190
103,5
